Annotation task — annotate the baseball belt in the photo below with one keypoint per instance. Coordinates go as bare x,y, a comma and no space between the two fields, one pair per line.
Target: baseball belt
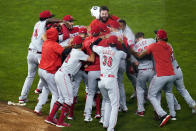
35,51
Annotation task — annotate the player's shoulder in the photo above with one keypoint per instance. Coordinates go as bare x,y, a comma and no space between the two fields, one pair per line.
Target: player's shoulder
151,40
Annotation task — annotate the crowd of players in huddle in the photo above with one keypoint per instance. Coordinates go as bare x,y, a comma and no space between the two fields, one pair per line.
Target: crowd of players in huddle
99,54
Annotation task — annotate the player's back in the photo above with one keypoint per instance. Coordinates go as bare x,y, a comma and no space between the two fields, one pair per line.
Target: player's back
146,62
72,62
109,59
38,31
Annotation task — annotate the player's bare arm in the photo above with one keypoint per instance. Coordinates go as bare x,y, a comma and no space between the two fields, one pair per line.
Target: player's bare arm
91,58
44,37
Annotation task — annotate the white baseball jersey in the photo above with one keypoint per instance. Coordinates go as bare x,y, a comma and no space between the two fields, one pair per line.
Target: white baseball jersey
72,63
109,59
174,61
38,31
129,34
139,47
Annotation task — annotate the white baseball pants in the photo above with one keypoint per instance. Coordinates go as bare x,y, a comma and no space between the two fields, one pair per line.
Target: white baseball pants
49,83
156,85
110,91
33,60
143,77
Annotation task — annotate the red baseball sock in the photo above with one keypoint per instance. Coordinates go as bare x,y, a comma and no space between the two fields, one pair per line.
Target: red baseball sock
65,109
98,100
55,108
71,113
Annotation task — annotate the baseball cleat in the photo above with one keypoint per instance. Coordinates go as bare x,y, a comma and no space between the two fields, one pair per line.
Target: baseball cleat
63,124
97,116
51,121
38,91
69,118
22,101
164,120
173,118
140,113
88,119
37,112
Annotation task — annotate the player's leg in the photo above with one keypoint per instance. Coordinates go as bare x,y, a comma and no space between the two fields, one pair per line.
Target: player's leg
179,83
156,86
66,89
42,99
123,104
132,77
113,93
92,87
49,78
59,80
140,91
170,99
32,68
39,88
177,106
106,106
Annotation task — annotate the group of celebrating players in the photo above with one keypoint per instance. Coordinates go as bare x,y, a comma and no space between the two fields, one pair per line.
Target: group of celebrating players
99,54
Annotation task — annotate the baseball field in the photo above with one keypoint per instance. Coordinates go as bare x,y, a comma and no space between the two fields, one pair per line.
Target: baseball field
177,17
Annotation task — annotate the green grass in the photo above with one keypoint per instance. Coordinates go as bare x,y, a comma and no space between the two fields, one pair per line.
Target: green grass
177,17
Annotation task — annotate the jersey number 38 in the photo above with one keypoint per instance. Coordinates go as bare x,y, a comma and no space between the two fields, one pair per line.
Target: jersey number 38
107,61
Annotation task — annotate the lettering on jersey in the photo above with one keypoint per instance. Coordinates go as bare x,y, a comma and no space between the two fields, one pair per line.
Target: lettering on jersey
107,61
35,33
141,44
108,52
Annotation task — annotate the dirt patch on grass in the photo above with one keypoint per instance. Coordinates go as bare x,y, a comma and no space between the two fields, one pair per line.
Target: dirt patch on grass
16,118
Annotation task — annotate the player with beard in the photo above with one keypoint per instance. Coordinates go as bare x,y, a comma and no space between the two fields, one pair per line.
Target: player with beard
105,19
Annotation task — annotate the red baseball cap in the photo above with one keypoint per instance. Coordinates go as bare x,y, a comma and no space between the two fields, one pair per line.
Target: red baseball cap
161,34
46,14
82,30
77,40
113,39
114,24
68,18
95,30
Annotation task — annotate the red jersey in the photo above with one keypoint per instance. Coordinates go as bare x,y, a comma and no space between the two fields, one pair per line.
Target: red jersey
51,53
161,52
69,33
86,47
97,22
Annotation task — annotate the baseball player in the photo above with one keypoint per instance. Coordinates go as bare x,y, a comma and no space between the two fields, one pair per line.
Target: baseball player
126,30
63,78
115,30
145,73
179,84
93,74
104,19
34,53
50,62
110,59
165,75
78,77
